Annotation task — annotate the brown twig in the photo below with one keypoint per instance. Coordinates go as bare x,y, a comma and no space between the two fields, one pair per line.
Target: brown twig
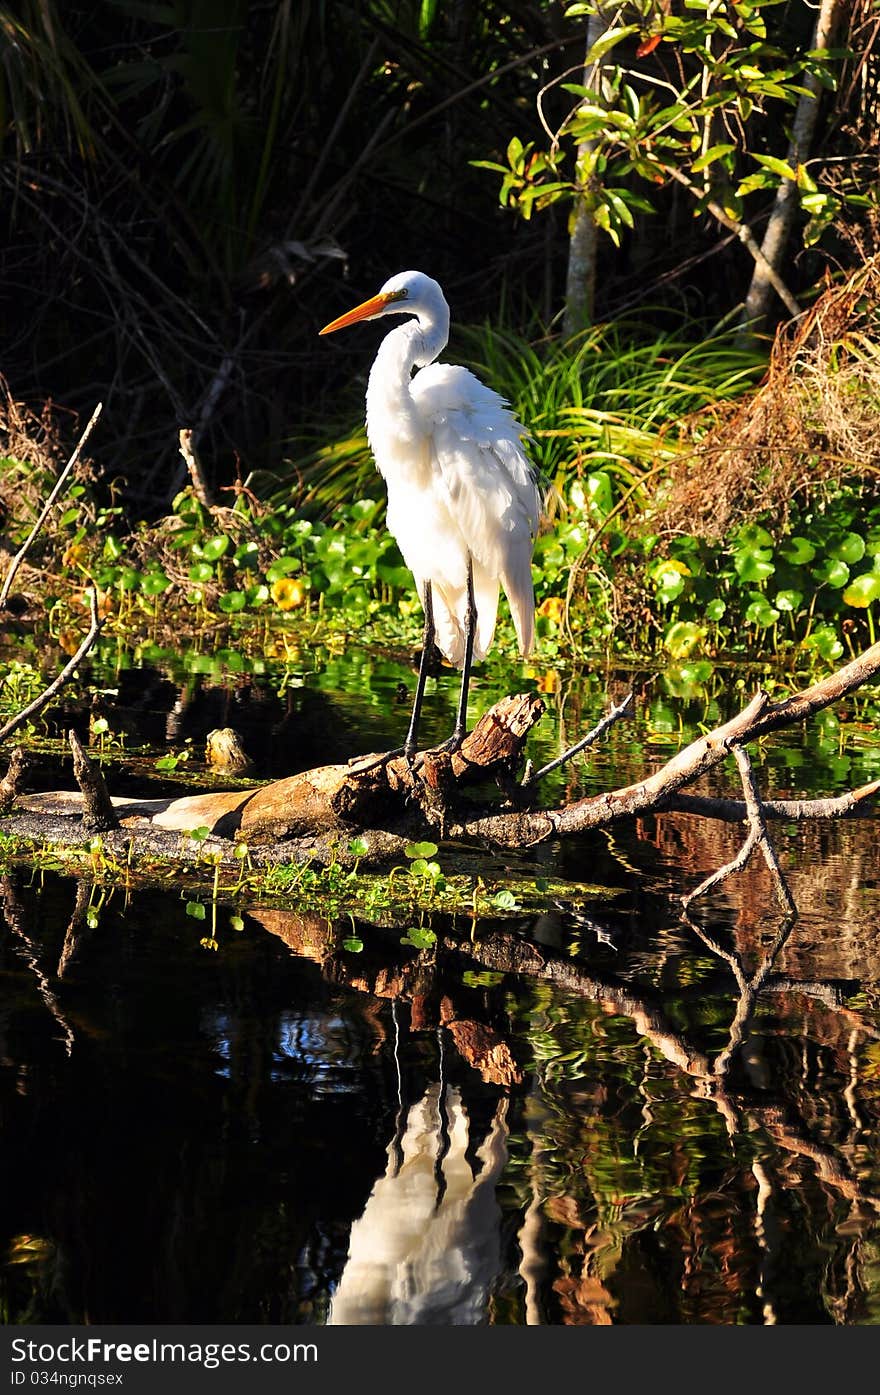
593,735
744,233
194,466
44,514
57,684
13,781
98,814
758,837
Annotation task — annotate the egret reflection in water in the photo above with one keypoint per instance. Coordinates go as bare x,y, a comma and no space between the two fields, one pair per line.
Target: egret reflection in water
427,1247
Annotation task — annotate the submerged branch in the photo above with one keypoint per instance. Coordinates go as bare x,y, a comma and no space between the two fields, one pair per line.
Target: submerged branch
48,693
46,509
758,837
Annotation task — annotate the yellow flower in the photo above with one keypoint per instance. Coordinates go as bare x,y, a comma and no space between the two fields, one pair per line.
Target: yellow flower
73,554
287,592
552,609
548,682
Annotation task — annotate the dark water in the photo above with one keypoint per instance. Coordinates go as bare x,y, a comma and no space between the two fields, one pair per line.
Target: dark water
601,1114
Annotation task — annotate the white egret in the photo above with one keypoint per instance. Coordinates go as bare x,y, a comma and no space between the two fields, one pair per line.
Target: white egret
463,499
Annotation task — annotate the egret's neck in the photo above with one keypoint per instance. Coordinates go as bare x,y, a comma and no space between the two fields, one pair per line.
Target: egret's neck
389,405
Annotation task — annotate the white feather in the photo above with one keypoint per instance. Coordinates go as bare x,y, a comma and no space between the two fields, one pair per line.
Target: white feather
460,486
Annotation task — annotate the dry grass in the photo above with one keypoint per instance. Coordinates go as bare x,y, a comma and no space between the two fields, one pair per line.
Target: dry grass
812,423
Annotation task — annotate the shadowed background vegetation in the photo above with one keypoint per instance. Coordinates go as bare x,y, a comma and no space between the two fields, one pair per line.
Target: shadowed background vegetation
189,190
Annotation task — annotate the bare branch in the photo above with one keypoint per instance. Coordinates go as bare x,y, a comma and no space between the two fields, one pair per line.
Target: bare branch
98,813
758,837
858,803
58,683
598,730
44,514
194,466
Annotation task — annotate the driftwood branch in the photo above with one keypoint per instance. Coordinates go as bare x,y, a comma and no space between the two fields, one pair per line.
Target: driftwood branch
48,693
386,802
12,783
758,719
98,813
758,837
47,507
852,804
194,467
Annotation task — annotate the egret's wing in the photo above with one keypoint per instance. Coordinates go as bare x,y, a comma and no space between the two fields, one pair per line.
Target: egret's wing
476,444
487,480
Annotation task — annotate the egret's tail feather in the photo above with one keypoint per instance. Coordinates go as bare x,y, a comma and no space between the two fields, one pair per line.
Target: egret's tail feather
518,588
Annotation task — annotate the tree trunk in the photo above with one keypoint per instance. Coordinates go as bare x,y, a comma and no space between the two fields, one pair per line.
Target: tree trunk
580,281
786,203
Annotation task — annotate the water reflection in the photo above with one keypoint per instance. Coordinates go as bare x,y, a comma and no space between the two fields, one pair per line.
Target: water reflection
610,1115
427,1247
673,1123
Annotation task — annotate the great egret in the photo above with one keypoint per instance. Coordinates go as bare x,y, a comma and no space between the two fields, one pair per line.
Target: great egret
463,499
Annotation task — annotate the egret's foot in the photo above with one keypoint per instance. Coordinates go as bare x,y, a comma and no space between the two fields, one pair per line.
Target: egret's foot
376,761
450,745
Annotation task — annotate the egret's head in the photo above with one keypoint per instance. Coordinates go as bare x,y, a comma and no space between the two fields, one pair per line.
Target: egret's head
407,293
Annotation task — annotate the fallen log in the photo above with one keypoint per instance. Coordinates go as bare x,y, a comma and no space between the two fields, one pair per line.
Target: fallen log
386,802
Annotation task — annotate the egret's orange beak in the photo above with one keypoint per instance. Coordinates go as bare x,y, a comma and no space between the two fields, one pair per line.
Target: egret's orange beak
374,306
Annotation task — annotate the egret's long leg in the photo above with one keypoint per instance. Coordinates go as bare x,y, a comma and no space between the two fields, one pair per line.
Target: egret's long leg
470,621
409,745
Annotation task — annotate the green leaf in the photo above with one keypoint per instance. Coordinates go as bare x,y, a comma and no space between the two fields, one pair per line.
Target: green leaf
247,555
832,572
750,567
420,937
128,579
789,601
797,551
716,152
849,549
754,538
609,40
824,642
420,850
281,567
195,909
761,614
155,583
232,602
215,547
862,591
780,167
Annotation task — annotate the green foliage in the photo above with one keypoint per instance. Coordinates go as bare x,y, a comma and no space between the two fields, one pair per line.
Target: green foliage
809,590
636,124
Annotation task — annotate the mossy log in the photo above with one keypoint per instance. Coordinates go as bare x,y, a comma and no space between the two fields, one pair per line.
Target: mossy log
386,801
